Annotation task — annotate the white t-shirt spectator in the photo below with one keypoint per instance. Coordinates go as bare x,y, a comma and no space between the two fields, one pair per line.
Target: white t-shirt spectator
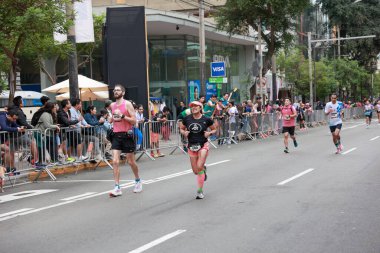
233,112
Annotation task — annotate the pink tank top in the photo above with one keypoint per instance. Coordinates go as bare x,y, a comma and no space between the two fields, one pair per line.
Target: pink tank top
122,125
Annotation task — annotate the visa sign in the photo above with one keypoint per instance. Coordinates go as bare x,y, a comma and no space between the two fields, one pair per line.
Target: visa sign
218,69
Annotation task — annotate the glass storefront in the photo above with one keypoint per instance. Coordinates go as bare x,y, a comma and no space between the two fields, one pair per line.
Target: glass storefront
174,61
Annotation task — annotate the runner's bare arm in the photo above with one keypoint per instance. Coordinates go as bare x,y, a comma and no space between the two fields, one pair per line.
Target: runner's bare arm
213,131
183,130
132,118
110,118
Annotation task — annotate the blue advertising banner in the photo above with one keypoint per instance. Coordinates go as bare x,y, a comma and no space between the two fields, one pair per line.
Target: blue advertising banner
210,90
218,69
194,90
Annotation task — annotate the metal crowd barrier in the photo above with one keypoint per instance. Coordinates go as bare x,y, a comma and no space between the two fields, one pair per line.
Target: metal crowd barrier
158,136
20,153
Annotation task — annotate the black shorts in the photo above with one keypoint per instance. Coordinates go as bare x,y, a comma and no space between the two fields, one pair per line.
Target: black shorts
120,141
73,138
332,128
289,130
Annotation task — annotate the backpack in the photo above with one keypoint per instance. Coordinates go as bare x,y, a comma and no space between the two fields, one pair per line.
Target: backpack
36,117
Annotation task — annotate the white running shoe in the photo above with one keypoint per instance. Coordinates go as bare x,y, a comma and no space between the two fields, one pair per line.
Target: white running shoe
200,195
116,192
138,187
83,158
341,147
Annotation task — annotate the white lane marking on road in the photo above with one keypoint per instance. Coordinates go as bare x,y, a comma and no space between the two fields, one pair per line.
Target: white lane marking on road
354,126
34,210
295,177
123,186
348,151
157,241
374,138
78,196
14,212
11,186
24,194
83,181
224,161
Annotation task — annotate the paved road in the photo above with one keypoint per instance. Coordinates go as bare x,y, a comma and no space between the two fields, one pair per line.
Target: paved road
258,199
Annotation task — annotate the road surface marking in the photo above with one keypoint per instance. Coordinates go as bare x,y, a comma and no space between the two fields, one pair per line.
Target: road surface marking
14,212
78,196
157,241
84,196
24,194
348,151
374,138
224,161
295,177
83,181
34,210
354,126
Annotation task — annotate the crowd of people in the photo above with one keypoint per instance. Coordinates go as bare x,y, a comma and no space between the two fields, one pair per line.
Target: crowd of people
68,136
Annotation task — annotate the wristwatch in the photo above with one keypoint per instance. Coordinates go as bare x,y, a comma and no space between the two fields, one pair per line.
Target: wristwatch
123,116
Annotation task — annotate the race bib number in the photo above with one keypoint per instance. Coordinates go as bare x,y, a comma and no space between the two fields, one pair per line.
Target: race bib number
334,115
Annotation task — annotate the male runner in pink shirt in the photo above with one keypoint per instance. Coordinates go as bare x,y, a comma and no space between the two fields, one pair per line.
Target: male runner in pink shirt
289,115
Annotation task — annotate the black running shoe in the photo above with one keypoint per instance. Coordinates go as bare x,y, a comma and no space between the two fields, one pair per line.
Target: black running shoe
286,150
295,143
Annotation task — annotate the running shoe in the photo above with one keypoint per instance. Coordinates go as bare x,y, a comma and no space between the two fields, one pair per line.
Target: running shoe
70,159
138,187
115,192
340,146
295,143
286,150
83,158
205,171
160,155
200,195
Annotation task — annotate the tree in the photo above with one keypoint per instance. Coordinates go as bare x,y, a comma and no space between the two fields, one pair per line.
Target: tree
27,23
277,21
353,80
51,50
356,19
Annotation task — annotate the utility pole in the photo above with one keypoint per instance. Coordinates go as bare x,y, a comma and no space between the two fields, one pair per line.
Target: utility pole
202,46
73,62
260,60
311,100
274,77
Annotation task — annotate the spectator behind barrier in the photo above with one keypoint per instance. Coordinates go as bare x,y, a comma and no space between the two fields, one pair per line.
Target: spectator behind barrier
25,140
8,124
90,135
64,120
37,114
47,124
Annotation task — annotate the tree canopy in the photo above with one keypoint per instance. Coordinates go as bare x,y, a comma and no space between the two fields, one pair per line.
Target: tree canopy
356,19
26,24
277,20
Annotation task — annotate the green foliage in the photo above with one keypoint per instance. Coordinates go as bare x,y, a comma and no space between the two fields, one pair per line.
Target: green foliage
277,20
329,75
27,25
356,19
